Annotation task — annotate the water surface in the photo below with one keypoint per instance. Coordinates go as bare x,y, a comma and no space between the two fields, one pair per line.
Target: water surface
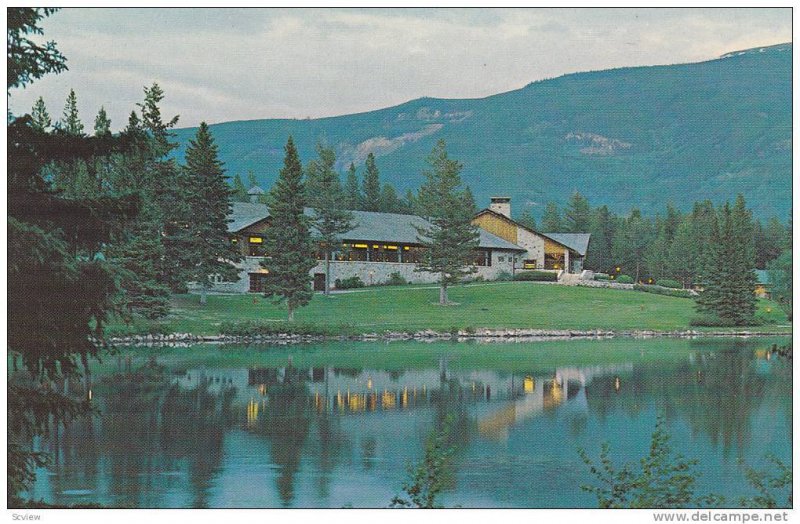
336,425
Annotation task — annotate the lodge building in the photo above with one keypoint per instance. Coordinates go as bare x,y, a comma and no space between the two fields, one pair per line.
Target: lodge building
384,243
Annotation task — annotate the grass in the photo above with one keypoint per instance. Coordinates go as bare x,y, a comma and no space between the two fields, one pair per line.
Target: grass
486,305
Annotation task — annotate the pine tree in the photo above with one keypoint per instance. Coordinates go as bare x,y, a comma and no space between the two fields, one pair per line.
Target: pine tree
602,229
577,215
40,117
209,196
631,240
469,199
352,191
70,121
165,186
372,186
527,220
326,198
551,220
389,201
59,290
681,260
290,251
102,124
451,239
239,189
410,203
137,252
743,263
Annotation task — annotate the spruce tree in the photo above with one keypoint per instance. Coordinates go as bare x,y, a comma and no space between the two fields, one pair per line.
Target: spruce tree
389,201
290,250
551,219
165,185
681,261
59,289
209,197
372,186
577,215
451,239
602,229
239,189
352,191
70,121
743,263
102,124
40,118
327,200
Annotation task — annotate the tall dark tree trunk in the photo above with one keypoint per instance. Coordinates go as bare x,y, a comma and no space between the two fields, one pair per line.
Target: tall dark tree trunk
290,308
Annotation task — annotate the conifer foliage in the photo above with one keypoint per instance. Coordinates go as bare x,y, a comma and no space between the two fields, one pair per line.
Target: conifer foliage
451,239
208,198
290,251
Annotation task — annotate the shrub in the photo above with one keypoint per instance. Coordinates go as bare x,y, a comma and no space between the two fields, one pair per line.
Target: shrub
253,328
348,283
536,276
624,279
601,276
668,282
395,279
504,276
680,293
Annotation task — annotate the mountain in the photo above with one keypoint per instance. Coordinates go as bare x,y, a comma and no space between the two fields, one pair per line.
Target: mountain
639,136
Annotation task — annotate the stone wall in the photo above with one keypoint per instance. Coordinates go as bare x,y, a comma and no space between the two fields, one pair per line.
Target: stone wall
371,273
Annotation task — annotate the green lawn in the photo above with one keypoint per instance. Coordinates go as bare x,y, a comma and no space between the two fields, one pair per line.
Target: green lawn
489,305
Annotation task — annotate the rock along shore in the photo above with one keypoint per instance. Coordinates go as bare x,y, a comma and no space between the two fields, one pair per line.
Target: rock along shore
478,335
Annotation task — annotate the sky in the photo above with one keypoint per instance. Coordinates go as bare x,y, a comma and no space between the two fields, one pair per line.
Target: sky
220,65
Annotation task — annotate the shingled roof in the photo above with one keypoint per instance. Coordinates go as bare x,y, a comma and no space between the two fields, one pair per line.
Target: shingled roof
369,226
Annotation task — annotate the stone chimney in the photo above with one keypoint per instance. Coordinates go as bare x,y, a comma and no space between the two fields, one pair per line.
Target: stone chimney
255,193
501,205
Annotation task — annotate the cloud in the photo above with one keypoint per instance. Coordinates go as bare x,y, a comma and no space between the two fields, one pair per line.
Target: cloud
232,64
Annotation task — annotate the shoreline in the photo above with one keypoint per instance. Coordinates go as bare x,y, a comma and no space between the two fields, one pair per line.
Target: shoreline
479,335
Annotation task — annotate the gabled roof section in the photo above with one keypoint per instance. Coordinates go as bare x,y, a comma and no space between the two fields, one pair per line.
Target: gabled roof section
368,226
245,214
578,242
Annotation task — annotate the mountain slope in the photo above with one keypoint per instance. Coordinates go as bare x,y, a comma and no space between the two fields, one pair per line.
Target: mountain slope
627,137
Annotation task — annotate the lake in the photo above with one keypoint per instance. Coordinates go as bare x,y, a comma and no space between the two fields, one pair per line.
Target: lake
337,424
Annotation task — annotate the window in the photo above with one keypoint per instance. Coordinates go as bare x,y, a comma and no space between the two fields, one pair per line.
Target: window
529,264
257,282
255,246
483,257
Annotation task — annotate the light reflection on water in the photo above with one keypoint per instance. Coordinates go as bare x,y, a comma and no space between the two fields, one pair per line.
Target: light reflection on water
330,436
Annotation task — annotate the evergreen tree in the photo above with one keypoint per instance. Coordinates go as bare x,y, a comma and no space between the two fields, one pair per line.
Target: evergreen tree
780,279
239,190
551,220
352,191
389,201
728,271
633,236
326,198
165,186
577,215
372,186
59,290
410,203
40,118
451,239
681,262
251,179
102,124
212,252
70,121
602,229
469,199
527,220
137,252
290,251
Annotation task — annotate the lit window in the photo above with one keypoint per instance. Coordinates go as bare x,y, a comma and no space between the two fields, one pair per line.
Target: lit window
256,240
361,246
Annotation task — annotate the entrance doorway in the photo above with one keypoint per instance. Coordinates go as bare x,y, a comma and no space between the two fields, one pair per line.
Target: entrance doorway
319,281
